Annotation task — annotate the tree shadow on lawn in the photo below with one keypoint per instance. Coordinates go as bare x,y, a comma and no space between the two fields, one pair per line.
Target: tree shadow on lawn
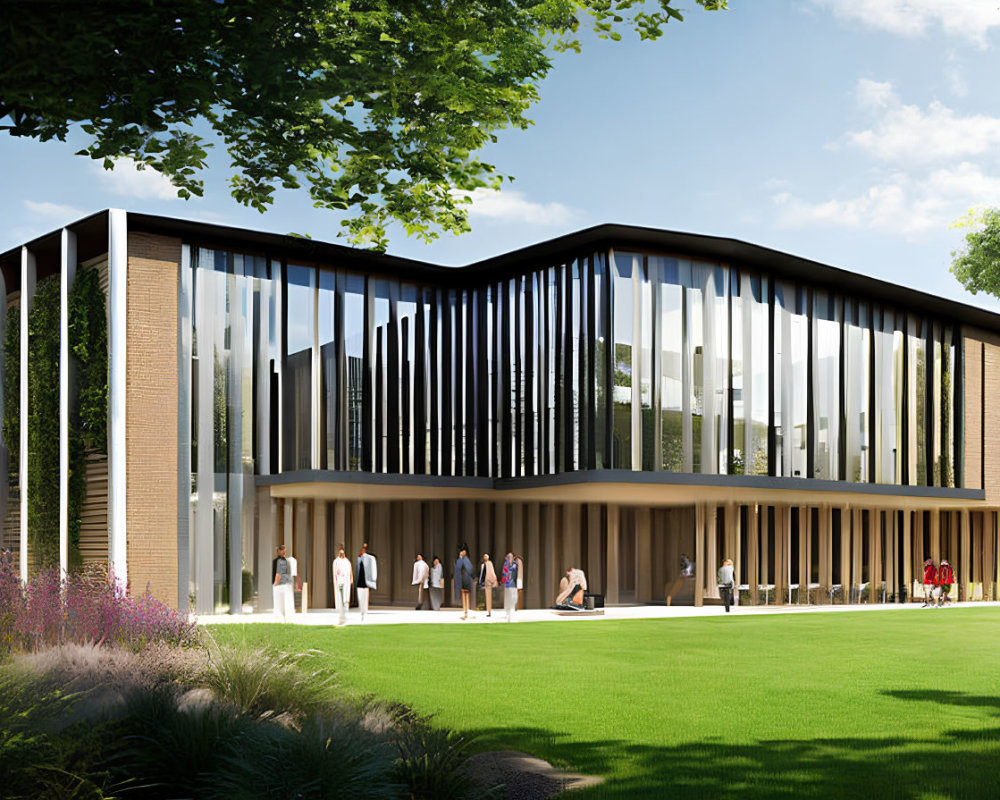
918,766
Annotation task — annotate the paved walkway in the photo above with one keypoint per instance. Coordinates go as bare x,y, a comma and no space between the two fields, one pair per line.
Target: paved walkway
404,616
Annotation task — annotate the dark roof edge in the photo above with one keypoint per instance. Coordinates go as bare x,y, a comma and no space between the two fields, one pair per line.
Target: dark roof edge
713,248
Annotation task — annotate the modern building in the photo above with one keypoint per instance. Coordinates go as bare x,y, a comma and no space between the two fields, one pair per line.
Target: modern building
608,400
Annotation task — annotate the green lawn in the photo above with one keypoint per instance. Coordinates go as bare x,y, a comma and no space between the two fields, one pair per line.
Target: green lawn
881,704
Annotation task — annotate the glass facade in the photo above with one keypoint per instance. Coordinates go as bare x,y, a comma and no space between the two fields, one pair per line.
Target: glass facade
614,359
611,360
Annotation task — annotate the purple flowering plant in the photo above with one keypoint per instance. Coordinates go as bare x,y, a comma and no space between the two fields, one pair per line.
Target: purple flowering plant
86,606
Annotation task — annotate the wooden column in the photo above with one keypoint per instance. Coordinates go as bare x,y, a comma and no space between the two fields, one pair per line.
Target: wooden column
533,563
611,564
570,535
550,568
501,535
825,544
875,567
452,528
848,521
708,576
700,522
805,552
907,539
595,555
936,535
965,559
752,575
644,552
783,547
319,574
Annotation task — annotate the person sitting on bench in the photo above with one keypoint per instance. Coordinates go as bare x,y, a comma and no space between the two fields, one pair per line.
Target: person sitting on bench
571,589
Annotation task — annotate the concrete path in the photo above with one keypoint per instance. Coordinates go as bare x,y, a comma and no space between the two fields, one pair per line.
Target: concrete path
403,616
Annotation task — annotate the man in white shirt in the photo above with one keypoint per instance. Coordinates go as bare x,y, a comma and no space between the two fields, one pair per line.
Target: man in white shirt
420,572
367,575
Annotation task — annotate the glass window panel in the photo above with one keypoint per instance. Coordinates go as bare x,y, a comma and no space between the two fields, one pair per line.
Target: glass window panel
297,377
329,398
857,390
889,392
826,386
791,337
917,394
644,368
354,340
601,347
671,311
623,324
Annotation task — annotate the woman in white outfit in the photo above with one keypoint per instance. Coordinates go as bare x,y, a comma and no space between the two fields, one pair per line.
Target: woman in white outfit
343,578
437,583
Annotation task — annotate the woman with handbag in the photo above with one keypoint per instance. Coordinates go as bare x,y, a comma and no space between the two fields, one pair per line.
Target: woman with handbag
488,582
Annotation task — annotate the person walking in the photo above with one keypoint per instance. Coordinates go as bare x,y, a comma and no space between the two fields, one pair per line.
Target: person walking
367,578
946,577
436,589
930,582
463,578
488,582
283,573
727,583
420,574
509,578
343,580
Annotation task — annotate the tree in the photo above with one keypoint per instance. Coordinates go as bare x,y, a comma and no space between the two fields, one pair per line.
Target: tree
977,266
379,106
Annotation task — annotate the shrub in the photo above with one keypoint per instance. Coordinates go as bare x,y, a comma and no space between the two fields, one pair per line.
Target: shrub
86,606
264,682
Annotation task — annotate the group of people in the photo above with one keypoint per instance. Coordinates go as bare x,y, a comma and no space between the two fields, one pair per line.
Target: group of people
937,582
362,576
511,579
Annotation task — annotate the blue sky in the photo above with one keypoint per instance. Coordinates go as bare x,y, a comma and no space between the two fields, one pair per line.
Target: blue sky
851,132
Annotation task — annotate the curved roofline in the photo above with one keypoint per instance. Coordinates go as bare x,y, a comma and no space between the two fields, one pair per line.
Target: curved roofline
713,248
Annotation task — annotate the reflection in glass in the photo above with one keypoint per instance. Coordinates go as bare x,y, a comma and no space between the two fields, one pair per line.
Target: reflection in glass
625,264
826,386
791,337
671,308
297,368
857,389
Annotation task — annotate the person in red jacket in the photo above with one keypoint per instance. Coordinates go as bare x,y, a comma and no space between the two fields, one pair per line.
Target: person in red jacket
946,577
930,581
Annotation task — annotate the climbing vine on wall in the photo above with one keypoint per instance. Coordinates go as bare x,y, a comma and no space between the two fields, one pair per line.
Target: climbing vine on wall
12,391
88,341
88,405
43,425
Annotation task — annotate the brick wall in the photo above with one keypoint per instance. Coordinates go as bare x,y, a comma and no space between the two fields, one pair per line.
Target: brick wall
991,420
151,414
973,397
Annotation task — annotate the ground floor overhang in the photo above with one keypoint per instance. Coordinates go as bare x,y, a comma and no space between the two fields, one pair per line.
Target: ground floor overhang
655,489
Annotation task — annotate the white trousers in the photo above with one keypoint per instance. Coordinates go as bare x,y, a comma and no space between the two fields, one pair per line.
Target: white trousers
363,602
509,602
342,599
284,601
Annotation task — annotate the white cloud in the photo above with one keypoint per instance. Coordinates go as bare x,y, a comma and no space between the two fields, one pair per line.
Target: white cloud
128,180
908,134
513,206
966,19
56,212
874,94
899,204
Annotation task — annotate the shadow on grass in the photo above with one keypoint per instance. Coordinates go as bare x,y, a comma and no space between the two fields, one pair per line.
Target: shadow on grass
917,765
